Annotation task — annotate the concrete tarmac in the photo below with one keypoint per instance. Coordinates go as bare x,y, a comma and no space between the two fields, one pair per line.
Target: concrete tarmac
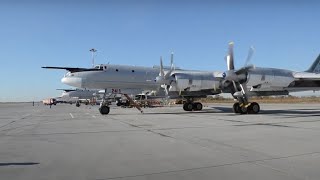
66,142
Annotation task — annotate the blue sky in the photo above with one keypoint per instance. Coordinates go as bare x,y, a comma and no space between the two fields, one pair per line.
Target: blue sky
285,34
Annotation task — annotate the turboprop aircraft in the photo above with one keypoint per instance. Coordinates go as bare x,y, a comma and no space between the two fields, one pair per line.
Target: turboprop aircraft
242,83
119,78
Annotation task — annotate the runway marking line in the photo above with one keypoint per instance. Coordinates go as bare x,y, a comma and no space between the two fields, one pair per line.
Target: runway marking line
71,115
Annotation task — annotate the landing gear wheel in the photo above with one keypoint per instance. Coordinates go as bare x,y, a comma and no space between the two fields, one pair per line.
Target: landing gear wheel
104,110
118,103
236,108
243,110
188,106
197,106
254,108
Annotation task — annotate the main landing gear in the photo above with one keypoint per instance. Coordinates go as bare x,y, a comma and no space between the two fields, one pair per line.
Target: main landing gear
192,106
250,108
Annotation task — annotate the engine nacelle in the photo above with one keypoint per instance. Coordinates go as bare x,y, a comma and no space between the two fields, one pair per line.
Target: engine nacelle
269,79
194,82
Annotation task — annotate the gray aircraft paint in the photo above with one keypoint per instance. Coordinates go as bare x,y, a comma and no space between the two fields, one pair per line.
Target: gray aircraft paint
114,76
191,83
138,77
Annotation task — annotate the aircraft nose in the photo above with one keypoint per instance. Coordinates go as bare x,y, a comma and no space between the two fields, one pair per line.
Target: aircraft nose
72,81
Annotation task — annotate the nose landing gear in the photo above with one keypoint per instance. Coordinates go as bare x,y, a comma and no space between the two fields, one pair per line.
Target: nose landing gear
104,105
104,109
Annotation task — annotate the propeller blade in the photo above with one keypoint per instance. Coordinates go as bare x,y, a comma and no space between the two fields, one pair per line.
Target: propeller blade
235,86
230,58
161,67
250,53
244,69
171,60
166,91
168,74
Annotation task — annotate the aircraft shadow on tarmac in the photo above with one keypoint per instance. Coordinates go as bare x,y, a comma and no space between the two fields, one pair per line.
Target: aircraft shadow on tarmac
19,164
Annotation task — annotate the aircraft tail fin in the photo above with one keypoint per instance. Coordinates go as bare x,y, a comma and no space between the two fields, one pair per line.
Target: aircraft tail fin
315,67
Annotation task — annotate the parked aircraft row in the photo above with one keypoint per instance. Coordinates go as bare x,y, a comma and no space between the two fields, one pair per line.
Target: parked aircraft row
191,84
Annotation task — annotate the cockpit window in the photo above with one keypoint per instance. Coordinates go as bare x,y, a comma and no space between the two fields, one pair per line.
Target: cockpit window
98,67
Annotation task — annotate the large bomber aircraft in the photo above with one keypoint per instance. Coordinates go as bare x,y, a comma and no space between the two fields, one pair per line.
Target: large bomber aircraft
120,78
188,84
244,82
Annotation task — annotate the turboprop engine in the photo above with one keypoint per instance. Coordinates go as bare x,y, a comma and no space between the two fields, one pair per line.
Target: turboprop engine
177,80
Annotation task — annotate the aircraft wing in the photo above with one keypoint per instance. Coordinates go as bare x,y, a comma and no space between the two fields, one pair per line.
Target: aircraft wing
306,76
305,81
72,69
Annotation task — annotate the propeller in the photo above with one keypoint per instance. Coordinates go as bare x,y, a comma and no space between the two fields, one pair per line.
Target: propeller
165,78
241,74
237,77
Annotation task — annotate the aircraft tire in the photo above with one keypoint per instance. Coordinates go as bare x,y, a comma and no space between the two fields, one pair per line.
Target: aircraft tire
243,110
197,106
78,104
104,110
254,108
188,106
236,108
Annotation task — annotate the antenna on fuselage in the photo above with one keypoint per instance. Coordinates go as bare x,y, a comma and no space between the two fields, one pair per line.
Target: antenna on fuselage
92,53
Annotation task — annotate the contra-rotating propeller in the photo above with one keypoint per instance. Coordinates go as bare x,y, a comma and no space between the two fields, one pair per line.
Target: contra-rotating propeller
238,77
165,78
